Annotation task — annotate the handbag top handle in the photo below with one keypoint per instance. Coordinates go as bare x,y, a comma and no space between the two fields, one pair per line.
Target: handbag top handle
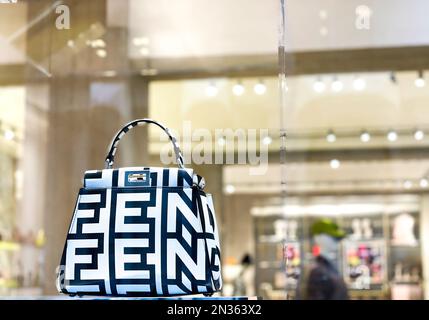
140,122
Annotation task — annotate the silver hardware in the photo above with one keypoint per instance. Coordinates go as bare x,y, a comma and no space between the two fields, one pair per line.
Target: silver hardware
137,177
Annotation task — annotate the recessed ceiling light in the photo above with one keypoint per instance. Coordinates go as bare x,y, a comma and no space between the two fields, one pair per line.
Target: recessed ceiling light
230,189
419,135
337,85
101,53
323,14
9,134
392,136
144,51
98,43
238,89
323,31
424,183
70,43
408,184
260,88
420,81
365,136
149,72
141,41
109,73
331,137
335,163
267,140
319,86
211,90
359,84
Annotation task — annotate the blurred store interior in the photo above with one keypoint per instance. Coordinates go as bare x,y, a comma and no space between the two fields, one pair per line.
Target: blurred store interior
355,109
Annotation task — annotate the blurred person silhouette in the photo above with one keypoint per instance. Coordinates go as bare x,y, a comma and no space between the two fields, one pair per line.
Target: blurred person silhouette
321,280
244,282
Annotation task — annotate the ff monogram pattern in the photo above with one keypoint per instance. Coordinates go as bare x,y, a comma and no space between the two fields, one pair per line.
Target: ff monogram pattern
141,231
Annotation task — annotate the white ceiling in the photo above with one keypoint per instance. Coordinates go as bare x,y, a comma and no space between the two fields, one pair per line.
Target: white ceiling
320,177
204,28
189,28
382,104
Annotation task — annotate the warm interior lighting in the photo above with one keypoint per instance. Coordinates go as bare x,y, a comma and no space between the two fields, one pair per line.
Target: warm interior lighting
337,85
335,163
267,140
319,86
230,189
408,184
419,135
260,88
392,136
101,53
238,89
331,137
365,136
9,134
359,84
420,81
211,90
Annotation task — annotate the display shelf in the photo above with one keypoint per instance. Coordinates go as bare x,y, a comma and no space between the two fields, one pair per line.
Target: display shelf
365,232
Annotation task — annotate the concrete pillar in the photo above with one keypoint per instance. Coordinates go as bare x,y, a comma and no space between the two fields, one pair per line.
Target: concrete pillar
72,114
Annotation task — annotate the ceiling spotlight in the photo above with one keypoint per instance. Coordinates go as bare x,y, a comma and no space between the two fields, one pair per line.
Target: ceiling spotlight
365,136
359,84
331,137
408,184
141,41
9,134
98,43
260,88
149,72
323,14
144,51
267,140
221,141
323,31
335,163
101,53
230,189
420,81
211,90
70,43
319,86
392,136
393,77
238,89
109,73
337,85
424,183
419,135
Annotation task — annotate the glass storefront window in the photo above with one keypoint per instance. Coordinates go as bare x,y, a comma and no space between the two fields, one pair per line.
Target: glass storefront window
307,120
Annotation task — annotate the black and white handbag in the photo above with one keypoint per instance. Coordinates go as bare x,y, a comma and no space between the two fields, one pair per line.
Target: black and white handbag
141,231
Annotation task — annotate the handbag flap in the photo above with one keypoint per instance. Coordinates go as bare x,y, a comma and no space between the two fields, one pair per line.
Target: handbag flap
138,177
